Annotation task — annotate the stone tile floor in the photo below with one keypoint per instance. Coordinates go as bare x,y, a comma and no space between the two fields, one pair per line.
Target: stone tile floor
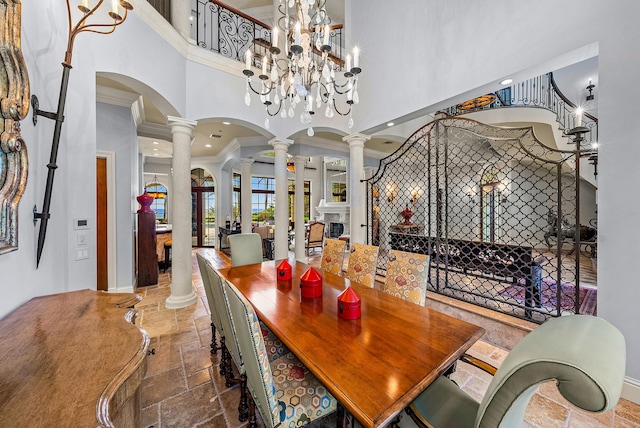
183,386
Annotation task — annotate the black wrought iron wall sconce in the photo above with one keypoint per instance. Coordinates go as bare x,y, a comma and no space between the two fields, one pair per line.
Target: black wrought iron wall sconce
118,13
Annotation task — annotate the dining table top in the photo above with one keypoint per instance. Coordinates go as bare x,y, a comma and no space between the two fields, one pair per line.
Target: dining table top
375,365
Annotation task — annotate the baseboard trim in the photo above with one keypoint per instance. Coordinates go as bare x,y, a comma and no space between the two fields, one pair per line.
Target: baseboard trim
631,390
129,289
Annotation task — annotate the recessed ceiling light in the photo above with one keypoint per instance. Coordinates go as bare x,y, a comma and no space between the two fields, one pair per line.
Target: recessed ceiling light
215,136
155,142
506,81
226,123
156,154
390,124
207,145
155,150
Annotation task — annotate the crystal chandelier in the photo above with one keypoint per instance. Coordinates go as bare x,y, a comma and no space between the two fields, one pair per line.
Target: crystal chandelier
306,76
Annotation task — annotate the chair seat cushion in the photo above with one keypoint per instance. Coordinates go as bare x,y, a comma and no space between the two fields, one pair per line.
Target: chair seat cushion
301,397
444,404
275,347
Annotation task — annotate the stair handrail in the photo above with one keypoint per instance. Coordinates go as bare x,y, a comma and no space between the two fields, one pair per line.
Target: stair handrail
541,91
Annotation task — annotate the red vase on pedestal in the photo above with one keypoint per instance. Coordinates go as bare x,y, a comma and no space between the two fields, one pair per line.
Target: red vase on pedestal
145,200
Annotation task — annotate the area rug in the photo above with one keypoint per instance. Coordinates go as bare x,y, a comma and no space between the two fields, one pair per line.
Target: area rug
588,296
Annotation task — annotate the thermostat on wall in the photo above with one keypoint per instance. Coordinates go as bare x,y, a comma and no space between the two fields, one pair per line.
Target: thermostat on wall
80,223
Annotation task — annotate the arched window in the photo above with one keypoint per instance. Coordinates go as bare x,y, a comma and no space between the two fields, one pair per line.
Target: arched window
159,205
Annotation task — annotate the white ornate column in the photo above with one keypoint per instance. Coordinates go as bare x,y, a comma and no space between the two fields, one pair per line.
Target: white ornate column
245,194
299,162
281,146
356,189
182,293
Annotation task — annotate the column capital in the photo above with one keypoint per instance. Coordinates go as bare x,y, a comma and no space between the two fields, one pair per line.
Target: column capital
356,139
281,143
300,158
178,121
246,161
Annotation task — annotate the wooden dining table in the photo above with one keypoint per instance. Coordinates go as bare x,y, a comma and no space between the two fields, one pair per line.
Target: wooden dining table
375,365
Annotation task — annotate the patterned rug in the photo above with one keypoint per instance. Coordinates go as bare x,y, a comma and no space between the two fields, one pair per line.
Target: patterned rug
588,296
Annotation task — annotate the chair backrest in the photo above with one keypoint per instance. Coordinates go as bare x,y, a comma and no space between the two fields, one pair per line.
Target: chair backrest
263,231
246,249
316,233
333,256
231,340
362,264
206,282
586,356
407,276
259,376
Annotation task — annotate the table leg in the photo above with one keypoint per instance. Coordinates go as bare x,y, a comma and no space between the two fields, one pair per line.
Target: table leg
344,419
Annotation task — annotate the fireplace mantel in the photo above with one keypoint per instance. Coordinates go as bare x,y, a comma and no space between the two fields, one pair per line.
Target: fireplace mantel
334,213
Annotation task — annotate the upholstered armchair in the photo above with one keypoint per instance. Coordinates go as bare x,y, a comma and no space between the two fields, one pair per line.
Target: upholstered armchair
582,354
315,236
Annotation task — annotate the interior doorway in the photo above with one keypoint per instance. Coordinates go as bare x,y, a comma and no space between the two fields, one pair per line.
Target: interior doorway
102,241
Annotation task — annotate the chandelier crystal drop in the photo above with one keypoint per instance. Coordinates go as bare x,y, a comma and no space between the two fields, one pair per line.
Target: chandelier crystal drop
299,68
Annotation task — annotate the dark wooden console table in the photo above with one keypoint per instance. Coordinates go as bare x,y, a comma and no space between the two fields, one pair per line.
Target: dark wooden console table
500,262
72,359
223,233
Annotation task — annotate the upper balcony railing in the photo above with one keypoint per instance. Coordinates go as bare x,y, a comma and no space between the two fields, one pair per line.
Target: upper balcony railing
540,91
230,32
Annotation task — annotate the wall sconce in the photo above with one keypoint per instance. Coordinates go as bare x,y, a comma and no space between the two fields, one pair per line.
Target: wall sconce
118,13
391,191
470,192
415,192
590,89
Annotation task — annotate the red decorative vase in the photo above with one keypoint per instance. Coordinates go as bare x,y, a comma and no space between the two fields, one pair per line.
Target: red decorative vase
406,213
145,200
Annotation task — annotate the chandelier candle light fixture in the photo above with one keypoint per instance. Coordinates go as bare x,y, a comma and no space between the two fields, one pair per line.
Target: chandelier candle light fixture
306,76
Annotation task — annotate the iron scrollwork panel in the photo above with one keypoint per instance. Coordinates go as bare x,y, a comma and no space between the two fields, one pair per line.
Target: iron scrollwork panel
14,98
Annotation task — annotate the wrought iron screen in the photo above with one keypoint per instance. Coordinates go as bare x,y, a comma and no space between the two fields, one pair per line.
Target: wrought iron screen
482,202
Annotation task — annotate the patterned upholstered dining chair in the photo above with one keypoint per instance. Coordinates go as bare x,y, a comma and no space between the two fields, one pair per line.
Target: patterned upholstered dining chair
333,256
407,276
231,352
362,264
267,380
584,356
246,249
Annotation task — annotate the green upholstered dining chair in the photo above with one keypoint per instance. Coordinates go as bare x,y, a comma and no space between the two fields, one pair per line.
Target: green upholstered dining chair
584,356
231,351
407,276
333,256
216,324
362,264
274,347
246,249
284,390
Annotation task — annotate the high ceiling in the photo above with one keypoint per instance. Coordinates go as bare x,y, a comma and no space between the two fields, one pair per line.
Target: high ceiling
211,136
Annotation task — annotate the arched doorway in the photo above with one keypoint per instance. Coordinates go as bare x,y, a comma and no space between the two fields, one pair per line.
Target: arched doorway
203,204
